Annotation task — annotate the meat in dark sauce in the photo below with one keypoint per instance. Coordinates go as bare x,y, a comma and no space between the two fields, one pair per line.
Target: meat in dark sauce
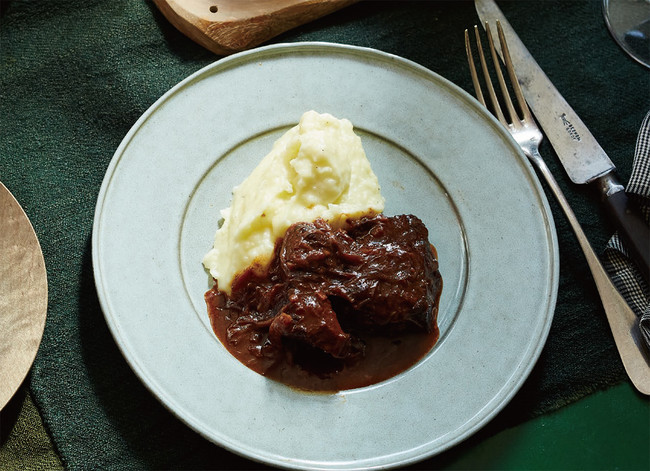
335,309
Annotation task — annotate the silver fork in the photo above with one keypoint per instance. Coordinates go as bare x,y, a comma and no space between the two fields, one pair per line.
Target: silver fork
622,320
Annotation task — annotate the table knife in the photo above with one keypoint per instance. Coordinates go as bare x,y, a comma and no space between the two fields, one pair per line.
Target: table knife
582,157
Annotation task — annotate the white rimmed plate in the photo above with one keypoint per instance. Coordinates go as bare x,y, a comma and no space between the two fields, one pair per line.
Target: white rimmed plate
437,153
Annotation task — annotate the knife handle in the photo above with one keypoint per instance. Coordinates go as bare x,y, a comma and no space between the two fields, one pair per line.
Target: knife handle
622,320
632,228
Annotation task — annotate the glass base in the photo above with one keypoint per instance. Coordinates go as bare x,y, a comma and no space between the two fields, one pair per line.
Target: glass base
629,23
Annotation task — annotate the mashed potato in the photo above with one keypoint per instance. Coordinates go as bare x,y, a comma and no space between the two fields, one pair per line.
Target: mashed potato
317,169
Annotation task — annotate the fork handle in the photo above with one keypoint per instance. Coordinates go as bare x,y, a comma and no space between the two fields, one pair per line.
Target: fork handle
622,320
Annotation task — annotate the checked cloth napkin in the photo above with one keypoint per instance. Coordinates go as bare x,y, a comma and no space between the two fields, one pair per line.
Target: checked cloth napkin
624,274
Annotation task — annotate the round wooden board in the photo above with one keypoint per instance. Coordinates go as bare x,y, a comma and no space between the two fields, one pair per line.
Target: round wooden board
23,295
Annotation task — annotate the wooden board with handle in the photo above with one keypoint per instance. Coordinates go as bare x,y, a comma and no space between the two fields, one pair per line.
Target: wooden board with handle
228,26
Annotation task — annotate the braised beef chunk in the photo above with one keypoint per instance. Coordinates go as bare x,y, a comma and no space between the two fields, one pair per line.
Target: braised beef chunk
325,288
381,270
308,317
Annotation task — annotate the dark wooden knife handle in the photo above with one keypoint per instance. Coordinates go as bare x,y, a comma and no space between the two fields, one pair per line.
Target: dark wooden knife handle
632,228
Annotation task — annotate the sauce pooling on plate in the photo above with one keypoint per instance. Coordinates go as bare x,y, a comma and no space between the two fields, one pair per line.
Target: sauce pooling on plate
335,308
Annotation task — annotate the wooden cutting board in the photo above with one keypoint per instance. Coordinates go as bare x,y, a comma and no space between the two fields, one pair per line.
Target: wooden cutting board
229,26
23,295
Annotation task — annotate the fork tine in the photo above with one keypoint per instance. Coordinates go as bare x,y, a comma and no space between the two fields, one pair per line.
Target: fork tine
472,70
514,118
513,76
488,81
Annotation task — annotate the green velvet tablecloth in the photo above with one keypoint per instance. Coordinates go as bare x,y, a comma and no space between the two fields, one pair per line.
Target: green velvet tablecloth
76,75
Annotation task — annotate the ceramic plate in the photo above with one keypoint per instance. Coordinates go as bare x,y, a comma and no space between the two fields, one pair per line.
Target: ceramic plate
23,295
437,155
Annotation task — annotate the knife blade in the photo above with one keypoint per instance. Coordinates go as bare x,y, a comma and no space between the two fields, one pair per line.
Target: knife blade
583,158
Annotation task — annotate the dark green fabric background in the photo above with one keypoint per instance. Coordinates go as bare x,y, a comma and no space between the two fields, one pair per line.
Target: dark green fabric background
76,75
